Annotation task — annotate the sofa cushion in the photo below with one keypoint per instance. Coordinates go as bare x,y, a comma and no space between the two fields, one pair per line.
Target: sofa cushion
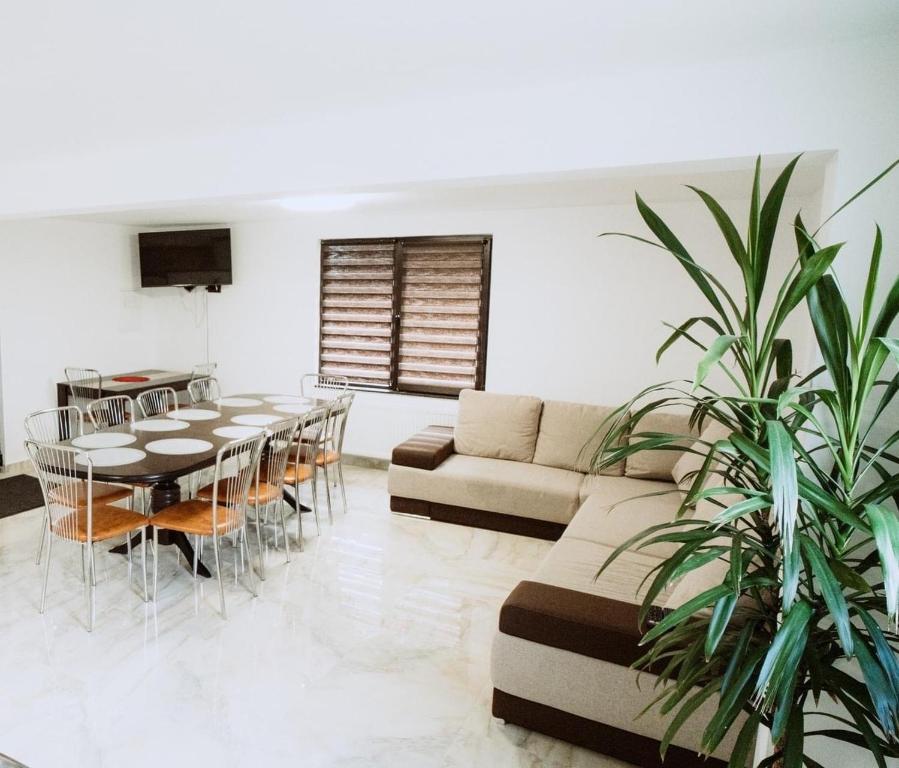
427,449
690,463
573,563
612,514
570,434
496,426
657,464
492,485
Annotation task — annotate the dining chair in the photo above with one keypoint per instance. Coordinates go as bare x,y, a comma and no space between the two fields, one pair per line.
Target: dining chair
53,425
112,411
202,370
301,465
323,387
203,390
267,490
330,446
75,515
157,402
225,514
85,384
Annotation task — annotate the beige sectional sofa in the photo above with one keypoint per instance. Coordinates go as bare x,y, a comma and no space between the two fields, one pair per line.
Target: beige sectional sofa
565,642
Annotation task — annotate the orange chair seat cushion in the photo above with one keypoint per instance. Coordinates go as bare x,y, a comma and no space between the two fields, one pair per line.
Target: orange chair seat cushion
321,458
195,517
266,495
102,493
296,475
106,523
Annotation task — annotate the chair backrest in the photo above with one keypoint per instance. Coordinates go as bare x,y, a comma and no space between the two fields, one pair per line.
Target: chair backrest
85,384
204,389
310,429
335,427
108,412
156,402
240,460
53,425
323,387
276,451
203,370
68,500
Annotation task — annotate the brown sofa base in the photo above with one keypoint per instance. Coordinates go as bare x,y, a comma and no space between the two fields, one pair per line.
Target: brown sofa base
478,518
622,745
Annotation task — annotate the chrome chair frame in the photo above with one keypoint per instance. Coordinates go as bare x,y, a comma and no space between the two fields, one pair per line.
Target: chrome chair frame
245,454
205,389
203,370
332,440
57,472
309,430
85,384
157,402
322,386
111,411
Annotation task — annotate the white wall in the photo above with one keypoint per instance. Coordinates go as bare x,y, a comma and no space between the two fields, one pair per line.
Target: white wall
572,316
68,297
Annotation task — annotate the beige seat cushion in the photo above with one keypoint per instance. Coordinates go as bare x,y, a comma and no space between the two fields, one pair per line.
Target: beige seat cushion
492,485
496,426
595,689
657,464
612,514
573,563
690,463
570,433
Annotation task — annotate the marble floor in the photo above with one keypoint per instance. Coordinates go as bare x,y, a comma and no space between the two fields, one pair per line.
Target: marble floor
370,648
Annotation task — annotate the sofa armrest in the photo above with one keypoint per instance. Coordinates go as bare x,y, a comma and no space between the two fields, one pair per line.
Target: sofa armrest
426,450
573,621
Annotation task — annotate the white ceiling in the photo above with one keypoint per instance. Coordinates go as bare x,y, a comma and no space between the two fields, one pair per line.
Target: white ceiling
726,179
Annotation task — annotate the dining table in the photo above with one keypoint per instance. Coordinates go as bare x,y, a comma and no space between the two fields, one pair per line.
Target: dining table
159,451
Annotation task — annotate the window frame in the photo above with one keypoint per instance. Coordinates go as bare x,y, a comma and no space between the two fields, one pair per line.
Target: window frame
394,387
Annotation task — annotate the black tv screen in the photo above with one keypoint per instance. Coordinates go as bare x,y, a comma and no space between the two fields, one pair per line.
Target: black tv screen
185,257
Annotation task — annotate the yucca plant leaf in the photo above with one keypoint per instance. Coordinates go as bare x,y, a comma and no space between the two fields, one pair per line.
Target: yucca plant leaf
870,286
715,352
721,616
732,703
828,313
888,312
737,655
892,346
768,219
702,600
831,589
884,698
858,194
745,742
792,570
885,654
790,636
728,230
681,331
684,713
885,528
784,481
793,739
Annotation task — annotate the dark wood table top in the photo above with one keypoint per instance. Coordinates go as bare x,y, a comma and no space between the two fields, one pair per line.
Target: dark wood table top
159,468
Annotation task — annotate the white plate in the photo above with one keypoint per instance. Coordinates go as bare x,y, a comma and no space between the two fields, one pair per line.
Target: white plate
111,457
284,399
238,402
294,408
104,440
160,425
176,446
256,419
237,433
194,414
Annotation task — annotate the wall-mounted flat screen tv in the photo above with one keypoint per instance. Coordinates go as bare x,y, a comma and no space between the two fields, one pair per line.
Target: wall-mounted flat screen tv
185,258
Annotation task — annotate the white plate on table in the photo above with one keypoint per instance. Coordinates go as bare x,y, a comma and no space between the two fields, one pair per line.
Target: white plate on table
194,414
237,433
256,419
294,408
178,446
104,440
238,402
280,399
160,425
111,457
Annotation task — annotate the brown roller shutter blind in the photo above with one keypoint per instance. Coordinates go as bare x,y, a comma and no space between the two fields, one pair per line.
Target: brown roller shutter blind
357,287
406,314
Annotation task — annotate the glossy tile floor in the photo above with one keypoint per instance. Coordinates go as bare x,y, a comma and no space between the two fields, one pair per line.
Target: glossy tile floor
371,648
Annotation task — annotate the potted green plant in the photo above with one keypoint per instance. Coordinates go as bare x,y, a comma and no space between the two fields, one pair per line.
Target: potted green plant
805,502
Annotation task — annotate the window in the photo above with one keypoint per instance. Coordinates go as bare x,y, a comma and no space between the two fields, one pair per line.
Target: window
406,314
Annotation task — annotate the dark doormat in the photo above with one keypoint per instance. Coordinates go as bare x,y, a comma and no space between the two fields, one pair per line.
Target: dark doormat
18,494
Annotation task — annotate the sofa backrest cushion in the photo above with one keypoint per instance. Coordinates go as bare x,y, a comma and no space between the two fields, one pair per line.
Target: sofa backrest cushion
657,464
497,426
569,436
690,463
